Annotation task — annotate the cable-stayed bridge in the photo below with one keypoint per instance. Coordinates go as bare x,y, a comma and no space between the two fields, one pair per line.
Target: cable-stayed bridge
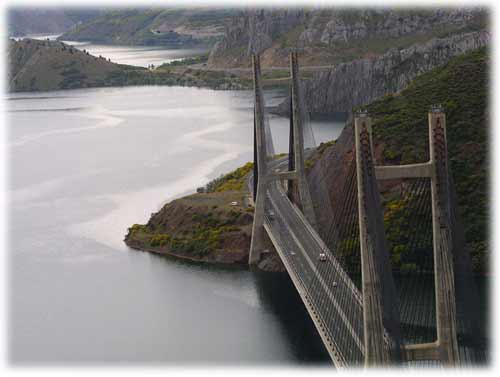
370,307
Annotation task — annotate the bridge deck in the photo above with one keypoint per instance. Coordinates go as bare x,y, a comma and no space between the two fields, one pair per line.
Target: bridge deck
332,299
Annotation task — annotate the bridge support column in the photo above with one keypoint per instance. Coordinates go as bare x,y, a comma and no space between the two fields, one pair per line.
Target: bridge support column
368,209
257,244
442,240
297,143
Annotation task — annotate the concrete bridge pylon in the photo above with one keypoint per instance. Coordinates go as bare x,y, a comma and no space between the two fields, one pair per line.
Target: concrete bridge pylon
261,180
445,347
262,174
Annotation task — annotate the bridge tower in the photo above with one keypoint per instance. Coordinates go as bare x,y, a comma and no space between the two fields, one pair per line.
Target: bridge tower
296,164
260,177
445,348
379,294
262,174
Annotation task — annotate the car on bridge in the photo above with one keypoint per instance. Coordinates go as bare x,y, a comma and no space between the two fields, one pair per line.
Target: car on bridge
322,257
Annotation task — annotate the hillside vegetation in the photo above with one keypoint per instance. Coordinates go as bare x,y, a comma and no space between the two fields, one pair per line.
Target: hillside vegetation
214,226
49,65
400,125
400,129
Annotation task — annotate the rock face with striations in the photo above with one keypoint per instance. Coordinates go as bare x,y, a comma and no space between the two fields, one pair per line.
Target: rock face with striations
253,31
361,81
329,35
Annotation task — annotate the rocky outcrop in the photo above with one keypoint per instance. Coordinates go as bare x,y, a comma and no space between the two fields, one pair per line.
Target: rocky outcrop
252,31
346,26
332,34
203,227
361,81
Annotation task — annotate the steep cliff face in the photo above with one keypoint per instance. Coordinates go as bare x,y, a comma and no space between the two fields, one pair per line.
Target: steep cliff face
329,36
253,31
361,81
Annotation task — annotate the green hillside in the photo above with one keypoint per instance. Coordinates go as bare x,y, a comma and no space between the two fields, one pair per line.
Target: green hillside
49,65
400,124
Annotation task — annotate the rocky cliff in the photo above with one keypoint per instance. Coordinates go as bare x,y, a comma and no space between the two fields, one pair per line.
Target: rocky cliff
329,36
361,81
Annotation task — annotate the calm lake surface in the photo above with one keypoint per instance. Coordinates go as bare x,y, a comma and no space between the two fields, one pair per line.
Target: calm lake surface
86,164
141,56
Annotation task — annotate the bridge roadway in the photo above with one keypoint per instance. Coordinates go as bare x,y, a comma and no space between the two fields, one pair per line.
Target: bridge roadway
331,298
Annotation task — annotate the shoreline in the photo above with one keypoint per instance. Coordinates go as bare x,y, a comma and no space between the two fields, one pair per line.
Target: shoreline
172,255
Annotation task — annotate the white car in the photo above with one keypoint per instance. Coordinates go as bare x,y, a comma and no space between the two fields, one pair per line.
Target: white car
234,203
292,253
322,257
334,284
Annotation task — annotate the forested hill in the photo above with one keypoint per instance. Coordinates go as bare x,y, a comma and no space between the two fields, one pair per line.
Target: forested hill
400,129
173,27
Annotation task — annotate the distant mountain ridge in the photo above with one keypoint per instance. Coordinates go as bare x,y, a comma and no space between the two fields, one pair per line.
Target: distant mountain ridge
47,20
154,26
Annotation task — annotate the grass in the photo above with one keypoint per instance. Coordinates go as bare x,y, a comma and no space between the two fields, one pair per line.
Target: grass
233,181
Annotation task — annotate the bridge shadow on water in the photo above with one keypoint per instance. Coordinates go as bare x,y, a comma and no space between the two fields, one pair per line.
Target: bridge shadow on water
277,296
278,293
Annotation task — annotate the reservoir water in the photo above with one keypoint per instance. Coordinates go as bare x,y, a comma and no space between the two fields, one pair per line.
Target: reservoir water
141,56
86,164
